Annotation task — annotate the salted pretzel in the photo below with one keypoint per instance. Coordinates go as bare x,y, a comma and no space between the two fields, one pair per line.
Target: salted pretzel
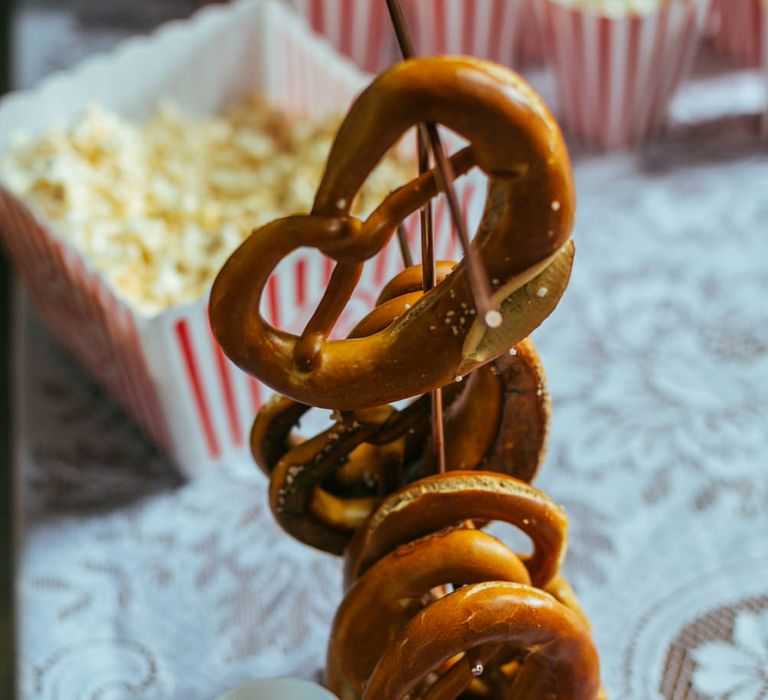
415,542
323,489
561,661
435,608
522,241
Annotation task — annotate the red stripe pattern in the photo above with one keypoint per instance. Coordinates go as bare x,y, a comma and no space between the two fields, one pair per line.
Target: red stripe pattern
740,26
83,314
359,29
225,376
616,76
194,374
499,30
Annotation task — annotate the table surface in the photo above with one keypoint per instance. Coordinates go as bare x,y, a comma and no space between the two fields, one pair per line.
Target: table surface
133,584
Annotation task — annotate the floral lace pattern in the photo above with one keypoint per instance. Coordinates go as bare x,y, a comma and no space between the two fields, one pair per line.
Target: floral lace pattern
135,585
737,670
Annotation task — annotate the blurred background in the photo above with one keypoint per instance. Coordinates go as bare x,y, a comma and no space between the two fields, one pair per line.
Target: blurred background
54,34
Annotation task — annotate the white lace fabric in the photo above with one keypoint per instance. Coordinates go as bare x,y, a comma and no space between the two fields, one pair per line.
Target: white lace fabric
135,585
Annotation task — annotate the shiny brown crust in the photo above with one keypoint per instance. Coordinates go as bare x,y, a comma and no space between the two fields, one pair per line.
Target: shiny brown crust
271,431
520,444
301,472
435,608
496,420
445,500
562,662
383,600
523,242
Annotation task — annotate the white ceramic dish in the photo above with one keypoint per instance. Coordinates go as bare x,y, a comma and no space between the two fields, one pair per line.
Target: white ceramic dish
279,689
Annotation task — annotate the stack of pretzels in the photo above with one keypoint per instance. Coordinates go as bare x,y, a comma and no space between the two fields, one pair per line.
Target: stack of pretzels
435,607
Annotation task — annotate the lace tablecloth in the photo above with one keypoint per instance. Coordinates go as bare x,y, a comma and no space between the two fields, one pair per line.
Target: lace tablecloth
135,585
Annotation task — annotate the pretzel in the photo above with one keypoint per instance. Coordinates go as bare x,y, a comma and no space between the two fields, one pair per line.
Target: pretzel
445,500
405,551
388,595
323,489
561,662
522,240
434,608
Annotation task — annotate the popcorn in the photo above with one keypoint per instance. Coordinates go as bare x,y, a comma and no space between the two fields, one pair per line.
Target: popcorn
158,207
617,8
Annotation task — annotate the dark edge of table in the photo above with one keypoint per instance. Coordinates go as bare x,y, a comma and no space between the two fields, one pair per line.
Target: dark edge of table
7,467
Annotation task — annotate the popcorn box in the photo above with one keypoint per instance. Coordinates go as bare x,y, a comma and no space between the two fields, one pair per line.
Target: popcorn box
359,29
499,30
740,27
504,31
166,368
532,48
616,75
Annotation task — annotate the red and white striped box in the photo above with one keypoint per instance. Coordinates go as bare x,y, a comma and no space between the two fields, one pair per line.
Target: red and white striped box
504,31
359,29
616,75
166,369
532,50
740,30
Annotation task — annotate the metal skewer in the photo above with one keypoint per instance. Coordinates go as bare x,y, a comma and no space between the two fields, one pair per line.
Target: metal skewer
428,281
405,251
478,280
427,239
428,135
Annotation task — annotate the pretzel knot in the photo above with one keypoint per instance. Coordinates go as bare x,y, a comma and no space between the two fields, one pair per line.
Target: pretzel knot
393,637
323,489
522,240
